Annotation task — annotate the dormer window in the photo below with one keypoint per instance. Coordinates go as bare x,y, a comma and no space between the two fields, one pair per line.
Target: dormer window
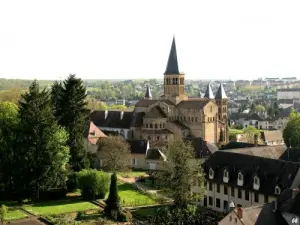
256,183
225,176
211,173
277,190
240,180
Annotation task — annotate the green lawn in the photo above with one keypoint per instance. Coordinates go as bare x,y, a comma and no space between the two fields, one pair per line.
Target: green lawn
132,174
132,197
14,214
59,207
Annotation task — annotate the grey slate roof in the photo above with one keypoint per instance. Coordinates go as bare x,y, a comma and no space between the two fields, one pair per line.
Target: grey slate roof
257,117
148,92
209,93
172,66
113,119
282,213
138,146
221,94
271,172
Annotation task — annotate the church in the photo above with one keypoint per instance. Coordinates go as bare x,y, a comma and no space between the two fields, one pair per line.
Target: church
172,115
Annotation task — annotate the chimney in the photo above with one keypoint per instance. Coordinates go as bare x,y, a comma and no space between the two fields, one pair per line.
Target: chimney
122,114
240,213
106,113
255,140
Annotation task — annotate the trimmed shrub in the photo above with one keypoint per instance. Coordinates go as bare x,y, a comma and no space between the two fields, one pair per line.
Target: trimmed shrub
92,183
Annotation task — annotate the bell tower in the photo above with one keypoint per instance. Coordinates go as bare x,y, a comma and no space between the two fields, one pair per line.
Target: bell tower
221,100
173,79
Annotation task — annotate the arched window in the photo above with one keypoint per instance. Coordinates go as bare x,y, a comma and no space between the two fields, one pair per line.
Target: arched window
225,174
192,119
277,190
157,137
155,126
174,81
151,126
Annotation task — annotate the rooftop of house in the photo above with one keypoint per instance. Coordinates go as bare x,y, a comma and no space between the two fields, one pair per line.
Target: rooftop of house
271,152
92,133
284,211
257,117
271,135
270,172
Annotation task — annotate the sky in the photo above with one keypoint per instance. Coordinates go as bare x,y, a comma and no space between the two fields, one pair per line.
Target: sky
131,39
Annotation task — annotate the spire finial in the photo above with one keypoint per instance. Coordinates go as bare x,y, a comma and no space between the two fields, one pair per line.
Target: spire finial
209,93
148,94
172,66
221,94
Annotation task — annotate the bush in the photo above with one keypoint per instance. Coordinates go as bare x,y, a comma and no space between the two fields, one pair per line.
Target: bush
71,182
3,213
92,183
53,194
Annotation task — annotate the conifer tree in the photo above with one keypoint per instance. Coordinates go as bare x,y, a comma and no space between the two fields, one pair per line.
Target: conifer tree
71,113
113,201
42,151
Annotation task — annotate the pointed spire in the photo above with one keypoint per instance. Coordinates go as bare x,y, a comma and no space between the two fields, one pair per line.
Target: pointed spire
148,94
209,93
221,94
172,66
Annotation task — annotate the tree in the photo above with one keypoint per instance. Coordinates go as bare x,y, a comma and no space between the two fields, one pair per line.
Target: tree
113,207
94,104
252,108
180,170
3,213
72,113
93,183
250,132
259,108
56,93
42,151
291,133
114,153
8,127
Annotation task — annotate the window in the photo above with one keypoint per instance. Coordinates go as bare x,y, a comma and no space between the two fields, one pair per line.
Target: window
163,125
232,191
218,188
240,176
160,126
146,125
196,119
256,181
225,190
134,161
157,137
166,137
235,220
218,203
149,138
155,126
189,119
225,174
230,218
211,109
211,173
151,126
247,195
210,200
152,166
277,190
239,193
192,119
266,199
256,197
210,186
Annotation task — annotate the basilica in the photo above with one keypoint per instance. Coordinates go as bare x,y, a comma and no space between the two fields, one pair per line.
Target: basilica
172,115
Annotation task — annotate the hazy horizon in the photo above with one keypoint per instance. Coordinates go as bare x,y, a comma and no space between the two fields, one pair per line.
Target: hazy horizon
48,40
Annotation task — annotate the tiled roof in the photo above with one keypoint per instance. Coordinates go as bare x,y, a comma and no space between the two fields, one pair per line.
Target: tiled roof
157,131
235,145
113,119
156,112
193,104
155,154
138,146
92,133
257,117
202,148
271,172
148,102
282,213
138,119
271,152
271,135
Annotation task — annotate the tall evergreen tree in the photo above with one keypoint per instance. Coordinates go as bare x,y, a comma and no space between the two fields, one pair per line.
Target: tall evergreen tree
113,207
42,151
56,92
71,113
